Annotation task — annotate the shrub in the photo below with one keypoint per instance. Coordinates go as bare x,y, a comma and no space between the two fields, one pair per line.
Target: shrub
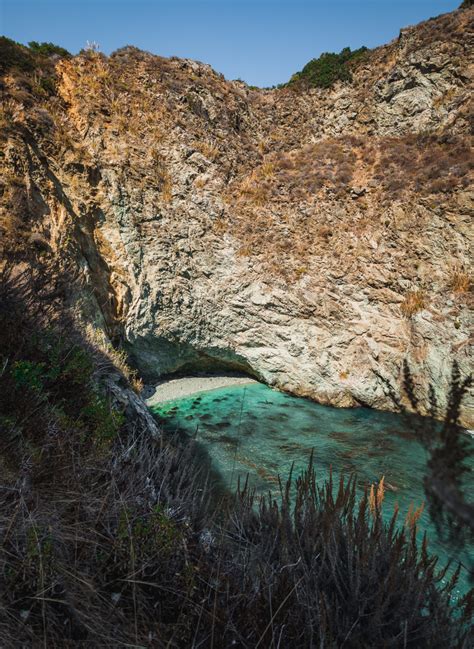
328,68
47,85
424,163
461,281
208,149
48,49
49,379
112,357
166,188
414,302
26,59
15,55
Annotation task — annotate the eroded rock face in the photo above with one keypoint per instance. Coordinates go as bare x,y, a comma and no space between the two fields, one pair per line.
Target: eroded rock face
316,240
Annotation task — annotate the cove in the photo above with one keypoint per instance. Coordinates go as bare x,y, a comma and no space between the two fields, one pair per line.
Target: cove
252,430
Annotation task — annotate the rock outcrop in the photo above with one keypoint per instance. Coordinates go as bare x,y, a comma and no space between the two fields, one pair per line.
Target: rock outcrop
315,239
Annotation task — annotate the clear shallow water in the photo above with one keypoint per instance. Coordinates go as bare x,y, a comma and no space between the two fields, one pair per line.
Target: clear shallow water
255,431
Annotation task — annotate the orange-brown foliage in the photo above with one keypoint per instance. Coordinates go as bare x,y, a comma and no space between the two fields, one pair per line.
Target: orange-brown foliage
414,301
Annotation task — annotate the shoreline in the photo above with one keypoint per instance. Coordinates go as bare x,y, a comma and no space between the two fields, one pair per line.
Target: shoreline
186,386
172,389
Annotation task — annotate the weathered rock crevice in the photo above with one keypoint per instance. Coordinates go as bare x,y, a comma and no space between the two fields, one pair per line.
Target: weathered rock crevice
157,357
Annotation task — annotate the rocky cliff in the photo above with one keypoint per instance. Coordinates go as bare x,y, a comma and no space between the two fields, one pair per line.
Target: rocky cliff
314,238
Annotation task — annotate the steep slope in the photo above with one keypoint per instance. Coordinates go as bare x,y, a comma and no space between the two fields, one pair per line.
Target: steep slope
314,238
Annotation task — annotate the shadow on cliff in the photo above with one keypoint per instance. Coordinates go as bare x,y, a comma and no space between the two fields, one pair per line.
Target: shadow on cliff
109,537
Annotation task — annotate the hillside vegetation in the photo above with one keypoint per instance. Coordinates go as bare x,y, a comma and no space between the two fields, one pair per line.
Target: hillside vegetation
330,67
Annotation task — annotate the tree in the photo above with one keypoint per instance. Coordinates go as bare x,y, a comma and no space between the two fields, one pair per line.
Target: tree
48,49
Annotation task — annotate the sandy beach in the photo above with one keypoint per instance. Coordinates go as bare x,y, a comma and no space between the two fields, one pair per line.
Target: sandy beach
170,390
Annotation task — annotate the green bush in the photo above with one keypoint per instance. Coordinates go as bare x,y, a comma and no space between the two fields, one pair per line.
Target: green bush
48,49
28,375
15,55
328,68
49,378
102,421
47,85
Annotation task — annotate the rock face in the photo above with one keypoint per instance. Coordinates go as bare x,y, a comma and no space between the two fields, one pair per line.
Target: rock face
315,239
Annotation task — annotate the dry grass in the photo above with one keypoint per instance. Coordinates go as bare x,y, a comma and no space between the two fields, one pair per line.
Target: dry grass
461,281
444,30
263,147
376,497
300,173
220,226
414,302
254,189
166,188
414,515
426,164
14,209
115,357
200,182
267,202
9,113
209,150
301,271
267,170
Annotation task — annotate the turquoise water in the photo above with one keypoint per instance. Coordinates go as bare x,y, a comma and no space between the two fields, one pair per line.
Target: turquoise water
255,431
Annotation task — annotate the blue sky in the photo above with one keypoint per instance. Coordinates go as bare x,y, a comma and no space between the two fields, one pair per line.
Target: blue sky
260,41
